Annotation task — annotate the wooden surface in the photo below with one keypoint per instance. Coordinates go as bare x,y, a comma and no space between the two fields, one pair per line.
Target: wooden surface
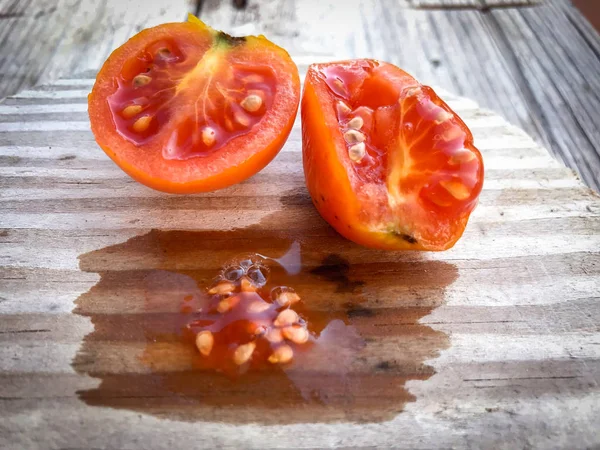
493,344
535,62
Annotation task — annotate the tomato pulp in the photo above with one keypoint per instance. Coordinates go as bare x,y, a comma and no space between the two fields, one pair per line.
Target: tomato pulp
387,163
184,108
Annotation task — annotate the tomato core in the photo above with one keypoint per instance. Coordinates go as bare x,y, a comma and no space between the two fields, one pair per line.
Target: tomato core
197,101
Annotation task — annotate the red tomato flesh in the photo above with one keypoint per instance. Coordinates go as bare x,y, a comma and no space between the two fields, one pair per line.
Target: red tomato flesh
184,108
406,172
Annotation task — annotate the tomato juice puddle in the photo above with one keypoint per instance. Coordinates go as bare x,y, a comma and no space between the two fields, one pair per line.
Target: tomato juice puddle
158,291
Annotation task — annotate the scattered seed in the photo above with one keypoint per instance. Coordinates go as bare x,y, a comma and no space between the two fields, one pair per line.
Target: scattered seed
254,78
246,285
163,53
442,116
209,136
285,318
141,80
142,124
458,190
241,118
258,306
223,306
274,336
227,304
252,103
356,123
357,152
339,84
354,137
243,353
205,341
454,132
343,109
413,91
287,298
295,333
281,355
131,110
462,156
223,287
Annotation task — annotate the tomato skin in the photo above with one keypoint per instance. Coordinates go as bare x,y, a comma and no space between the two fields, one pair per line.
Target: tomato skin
241,158
334,192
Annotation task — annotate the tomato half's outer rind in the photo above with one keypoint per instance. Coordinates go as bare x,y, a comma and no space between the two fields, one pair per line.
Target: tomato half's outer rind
184,108
387,163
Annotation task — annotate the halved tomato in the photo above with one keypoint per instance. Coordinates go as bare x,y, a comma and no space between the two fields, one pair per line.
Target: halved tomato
387,163
184,108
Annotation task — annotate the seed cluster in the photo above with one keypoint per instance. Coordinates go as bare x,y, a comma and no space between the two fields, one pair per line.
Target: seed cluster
246,327
354,137
228,101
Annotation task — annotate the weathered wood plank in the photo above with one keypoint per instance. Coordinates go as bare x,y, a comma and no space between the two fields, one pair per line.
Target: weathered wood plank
518,298
45,39
494,344
556,74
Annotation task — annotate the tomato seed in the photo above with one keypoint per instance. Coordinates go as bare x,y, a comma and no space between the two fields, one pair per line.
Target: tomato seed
287,298
285,318
295,333
356,123
142,124
131,110
205,341
141,80
246,285
209,136
243,353
462,156
443,116
241,118
458,190
224,306
252,103
452,133
413,91
357,152
224,287
254,78
163,53
274,335
354,136
281,355
342,109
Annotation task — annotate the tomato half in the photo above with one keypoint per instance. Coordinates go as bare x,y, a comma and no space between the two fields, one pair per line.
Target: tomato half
184,108
387,163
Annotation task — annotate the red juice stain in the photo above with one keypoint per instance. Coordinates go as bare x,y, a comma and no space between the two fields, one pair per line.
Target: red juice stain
158,291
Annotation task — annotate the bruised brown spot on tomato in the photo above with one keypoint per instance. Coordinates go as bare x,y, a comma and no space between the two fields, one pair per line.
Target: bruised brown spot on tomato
407,237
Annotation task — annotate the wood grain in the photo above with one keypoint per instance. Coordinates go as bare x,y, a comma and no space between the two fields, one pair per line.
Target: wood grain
492,344
46,39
